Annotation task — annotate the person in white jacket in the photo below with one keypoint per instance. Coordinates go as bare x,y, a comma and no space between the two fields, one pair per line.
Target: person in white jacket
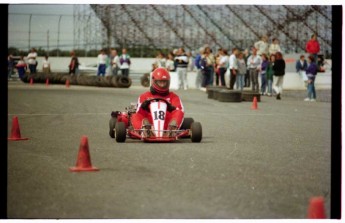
274,47
262,46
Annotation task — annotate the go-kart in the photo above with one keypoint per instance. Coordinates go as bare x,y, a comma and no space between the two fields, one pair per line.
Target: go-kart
120,126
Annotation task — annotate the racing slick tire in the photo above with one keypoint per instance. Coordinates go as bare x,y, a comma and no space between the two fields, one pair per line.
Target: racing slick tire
229,96
249,96
112,124
145,80
211,89
120,132
187,122
196,132
124,82
113,81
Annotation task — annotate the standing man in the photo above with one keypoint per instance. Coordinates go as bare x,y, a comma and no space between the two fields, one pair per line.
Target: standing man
313,47
101,63
254,66
125,62
114,61
198,68
233,66
32,61
74,64
182,63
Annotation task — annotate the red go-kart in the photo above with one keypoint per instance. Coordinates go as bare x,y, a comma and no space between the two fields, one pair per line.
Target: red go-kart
120,125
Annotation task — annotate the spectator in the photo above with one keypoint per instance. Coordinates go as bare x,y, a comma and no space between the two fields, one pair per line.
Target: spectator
101,63
279,72
207,63
32,61
242,70
246,55
10,66
264,64
311,72
46,65
233,66
198,68
301,66
223,65
190,66
125,62
217,66
262,46
169,65
114,62
160,60
21,67
74,64
269,74
253,64
313,47
274,47
175,61
182,63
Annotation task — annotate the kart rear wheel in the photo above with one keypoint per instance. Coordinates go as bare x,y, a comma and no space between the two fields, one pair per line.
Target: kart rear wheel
120,132
196,132
112,123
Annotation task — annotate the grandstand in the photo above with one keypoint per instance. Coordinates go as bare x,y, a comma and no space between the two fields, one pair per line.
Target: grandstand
191,26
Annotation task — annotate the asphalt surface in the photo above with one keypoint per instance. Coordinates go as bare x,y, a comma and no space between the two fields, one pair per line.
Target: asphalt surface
251,164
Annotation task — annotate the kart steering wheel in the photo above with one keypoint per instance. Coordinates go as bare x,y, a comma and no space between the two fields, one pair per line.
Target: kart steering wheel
145,104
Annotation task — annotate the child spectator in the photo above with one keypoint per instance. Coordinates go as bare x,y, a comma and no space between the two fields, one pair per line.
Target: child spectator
269,74
21,67
279,72
170,62
311,72
46,65
264,64
125,62
242,70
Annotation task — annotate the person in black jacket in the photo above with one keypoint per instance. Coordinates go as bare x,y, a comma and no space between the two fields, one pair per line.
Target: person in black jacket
279,72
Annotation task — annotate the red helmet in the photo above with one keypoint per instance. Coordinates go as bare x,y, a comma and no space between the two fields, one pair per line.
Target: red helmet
160,80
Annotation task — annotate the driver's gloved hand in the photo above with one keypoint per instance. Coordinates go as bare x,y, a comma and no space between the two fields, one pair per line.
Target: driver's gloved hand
170,107
145,105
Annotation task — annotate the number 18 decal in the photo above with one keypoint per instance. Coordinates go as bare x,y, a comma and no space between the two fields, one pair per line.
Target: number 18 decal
159,115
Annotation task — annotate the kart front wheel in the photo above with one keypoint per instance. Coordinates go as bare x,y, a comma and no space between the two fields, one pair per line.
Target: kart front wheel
112,123
196,132
120,132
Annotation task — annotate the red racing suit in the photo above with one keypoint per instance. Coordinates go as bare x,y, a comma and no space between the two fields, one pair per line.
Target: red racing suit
176,114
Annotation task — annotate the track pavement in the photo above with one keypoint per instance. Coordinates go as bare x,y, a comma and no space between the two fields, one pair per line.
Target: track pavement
251,164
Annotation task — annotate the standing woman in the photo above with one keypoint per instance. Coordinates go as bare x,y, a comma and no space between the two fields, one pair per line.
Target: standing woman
279,72
223,63
311,72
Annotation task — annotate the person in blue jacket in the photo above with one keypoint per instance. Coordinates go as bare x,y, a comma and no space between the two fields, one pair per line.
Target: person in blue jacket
311,72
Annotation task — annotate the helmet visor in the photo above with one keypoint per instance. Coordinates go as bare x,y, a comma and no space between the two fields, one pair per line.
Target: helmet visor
163,84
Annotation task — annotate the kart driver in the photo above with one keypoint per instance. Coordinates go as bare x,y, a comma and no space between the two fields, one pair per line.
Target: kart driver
160,82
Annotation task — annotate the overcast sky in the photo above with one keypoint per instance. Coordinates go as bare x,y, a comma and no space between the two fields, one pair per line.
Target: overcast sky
45,17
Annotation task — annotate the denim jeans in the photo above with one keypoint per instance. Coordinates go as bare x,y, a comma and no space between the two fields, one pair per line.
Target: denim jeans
32,68
263,83
311,90
269,86
240,81
206,76
101,70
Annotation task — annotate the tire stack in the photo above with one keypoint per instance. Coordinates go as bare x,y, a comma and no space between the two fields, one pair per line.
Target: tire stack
117,81
223,94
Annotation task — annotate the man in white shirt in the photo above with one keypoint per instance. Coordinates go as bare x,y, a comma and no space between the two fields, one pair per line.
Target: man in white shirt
254,66
125,62
233,66
32,61
115,62
102,63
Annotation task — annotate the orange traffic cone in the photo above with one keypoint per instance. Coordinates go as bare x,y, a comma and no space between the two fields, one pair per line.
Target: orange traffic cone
83,160
255,104
316,208
47,81
67,83
31,81
15,132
